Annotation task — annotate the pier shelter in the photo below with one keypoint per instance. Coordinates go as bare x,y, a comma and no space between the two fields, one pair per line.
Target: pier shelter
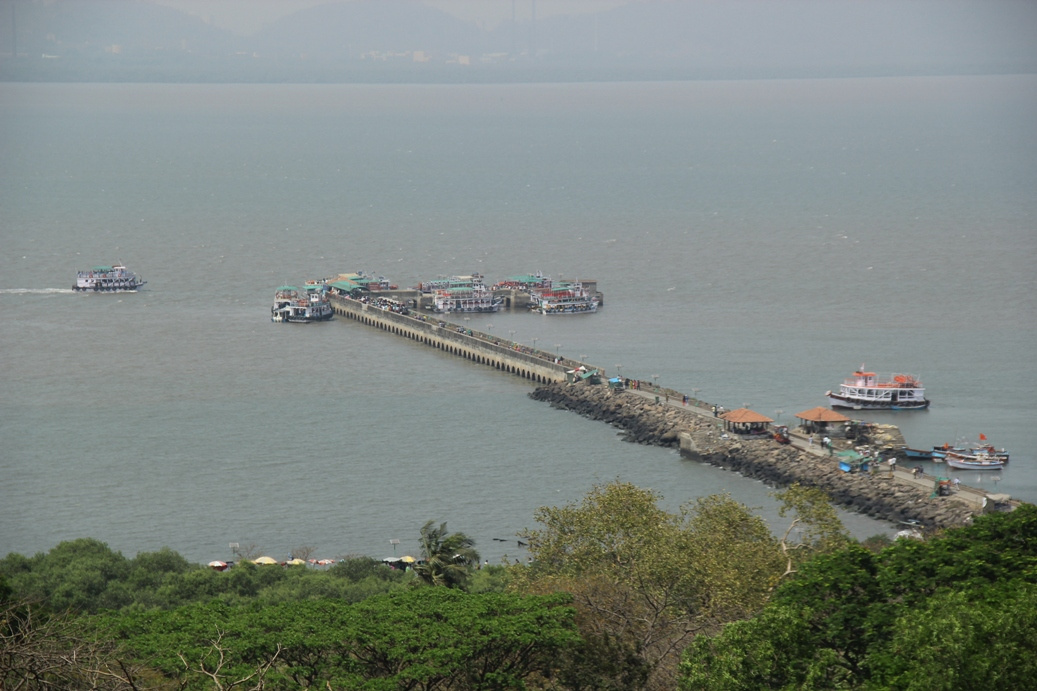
817,419
745,421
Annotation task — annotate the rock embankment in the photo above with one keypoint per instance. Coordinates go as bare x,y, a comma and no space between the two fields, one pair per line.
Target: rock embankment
700,438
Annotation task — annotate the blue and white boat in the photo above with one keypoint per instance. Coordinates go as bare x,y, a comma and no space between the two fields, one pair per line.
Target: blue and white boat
107,279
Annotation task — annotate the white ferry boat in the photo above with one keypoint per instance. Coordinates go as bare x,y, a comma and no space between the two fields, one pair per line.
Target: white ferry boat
477,298
568,298
300,308
868,391
107,279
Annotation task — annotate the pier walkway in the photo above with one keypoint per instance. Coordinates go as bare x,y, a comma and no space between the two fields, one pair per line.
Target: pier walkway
543,367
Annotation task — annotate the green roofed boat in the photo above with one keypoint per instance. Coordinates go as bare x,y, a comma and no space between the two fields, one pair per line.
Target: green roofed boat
301,307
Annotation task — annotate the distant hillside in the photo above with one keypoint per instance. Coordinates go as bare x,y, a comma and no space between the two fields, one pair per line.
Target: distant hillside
355,28
405,40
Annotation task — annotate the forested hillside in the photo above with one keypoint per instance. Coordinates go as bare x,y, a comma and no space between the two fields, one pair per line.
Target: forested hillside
620,594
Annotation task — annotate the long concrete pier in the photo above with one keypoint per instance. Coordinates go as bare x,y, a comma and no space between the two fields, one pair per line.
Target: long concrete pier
481,348
664,417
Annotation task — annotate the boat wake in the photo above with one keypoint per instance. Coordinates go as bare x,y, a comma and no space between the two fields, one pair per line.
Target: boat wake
34,291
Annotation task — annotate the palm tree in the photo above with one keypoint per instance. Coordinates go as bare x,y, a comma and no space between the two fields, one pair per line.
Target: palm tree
446,559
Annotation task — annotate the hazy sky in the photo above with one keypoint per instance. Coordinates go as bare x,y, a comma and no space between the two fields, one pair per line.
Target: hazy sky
249,16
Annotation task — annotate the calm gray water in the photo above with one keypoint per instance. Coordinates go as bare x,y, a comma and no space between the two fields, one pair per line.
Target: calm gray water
756,242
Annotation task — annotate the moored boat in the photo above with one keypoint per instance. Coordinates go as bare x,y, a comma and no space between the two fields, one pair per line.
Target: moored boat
478,299
917,454
291,305
963,449
107,279
565,298
527,283
978,459
461,294
867,391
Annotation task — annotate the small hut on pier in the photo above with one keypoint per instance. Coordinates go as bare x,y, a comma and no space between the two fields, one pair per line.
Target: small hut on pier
817,419
745,421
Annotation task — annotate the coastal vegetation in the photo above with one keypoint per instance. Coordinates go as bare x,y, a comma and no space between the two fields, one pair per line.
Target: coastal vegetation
619,594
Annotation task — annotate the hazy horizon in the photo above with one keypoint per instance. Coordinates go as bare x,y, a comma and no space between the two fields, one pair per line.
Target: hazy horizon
506,40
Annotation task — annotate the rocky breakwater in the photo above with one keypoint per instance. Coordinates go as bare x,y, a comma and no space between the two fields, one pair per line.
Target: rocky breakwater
700,437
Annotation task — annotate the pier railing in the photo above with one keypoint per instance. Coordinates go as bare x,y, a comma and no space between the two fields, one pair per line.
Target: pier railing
481,348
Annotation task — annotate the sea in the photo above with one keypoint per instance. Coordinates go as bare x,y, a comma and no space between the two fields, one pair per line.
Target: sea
755,241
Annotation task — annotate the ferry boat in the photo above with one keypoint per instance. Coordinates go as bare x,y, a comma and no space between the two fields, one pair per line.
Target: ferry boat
461,294
471,281
290,305
476,298
567,298
107,279
526,284
867,391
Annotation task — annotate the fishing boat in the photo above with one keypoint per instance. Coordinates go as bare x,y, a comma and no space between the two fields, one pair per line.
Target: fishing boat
107,279
978,459
564,298
940,453
917,454
292,306
867,391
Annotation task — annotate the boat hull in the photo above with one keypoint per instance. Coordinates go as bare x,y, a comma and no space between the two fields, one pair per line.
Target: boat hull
964,464
569,309
839,401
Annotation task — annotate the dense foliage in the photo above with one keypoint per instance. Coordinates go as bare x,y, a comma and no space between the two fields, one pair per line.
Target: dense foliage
415,638
620,594
956,612
85,575
645,581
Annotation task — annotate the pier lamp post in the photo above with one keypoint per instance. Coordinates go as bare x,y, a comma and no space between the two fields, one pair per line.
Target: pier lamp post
394,542
558,350
583,358
466,320
511,335
655,380
619,370
489,329
535,344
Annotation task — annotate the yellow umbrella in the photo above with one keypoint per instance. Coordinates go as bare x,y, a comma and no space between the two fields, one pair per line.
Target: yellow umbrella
266,560
297,562
409,560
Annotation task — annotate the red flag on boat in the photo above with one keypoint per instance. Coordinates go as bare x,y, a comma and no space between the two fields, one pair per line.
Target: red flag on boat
982,437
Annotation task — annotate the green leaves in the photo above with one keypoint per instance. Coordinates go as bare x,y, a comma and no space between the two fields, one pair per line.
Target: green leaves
645,580
417,638
958,611
446,558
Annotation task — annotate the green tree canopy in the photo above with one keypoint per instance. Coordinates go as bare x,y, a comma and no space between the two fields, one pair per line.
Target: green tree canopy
446,558
953,612
414,638
645,580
